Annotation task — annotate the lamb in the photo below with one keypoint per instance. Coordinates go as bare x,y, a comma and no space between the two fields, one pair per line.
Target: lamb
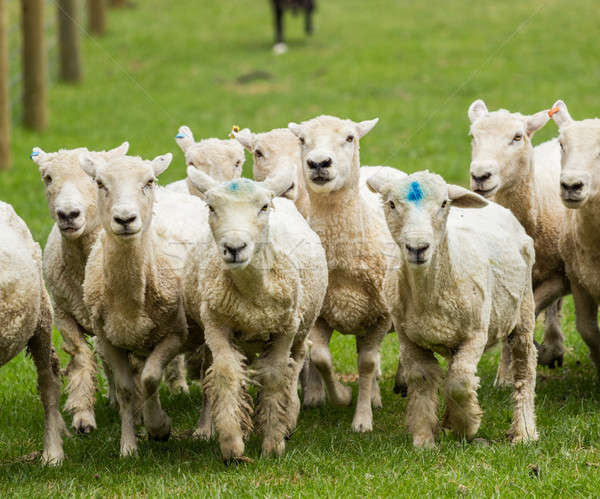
579,191
279,6
221,159
256,284
358,246
132,284
507,169
26,321
461,284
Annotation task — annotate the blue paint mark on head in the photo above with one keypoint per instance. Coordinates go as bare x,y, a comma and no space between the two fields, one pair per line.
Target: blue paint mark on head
180,136
34,153
234,186
415,193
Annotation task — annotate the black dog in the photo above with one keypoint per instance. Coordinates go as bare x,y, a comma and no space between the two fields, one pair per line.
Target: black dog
279,7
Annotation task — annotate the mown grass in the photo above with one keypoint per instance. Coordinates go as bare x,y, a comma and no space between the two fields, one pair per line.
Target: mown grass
416,65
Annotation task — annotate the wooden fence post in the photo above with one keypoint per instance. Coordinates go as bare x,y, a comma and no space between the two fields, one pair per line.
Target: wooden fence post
97,16
34,64
4,94
68,40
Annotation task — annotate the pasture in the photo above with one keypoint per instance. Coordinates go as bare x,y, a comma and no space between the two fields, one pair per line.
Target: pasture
415,65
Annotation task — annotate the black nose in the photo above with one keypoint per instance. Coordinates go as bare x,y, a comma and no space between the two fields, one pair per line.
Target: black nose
232,250
481,178
577,186
68,216
322,164
125,221
418,249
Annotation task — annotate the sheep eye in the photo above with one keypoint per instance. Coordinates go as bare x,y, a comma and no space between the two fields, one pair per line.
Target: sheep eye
392,205
100,184
211,209
149,184
444,203
350,138
517,137
259,153
562,146
301,140
48,179
237,163
264,208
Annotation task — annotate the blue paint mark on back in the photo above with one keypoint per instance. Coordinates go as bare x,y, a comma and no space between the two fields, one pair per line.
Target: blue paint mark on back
415,193
180,136
234,186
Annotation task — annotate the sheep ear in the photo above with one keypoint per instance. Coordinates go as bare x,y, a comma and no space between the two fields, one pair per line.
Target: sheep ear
295,129
536,121
281,181
184,138
90,163
560,114
383,180
364,127
477,110
245,137
120,150
161,163
37,155
200,180
464,198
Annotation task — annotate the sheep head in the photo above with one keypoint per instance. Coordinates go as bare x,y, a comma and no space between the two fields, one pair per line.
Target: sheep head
501,147
416,209
125,188
330,151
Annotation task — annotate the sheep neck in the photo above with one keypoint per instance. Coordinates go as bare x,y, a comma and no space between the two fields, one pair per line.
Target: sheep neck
78,250
587,221
253,279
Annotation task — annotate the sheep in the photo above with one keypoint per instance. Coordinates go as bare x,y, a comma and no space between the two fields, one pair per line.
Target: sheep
358,246
26,321
256,285
71,203
221,159
507,169
579,187
461,284
279,6
132,284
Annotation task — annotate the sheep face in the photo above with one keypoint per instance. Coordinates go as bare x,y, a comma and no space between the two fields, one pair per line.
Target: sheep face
70,194
271,150
416,209
580,157
501,147
329,151
125,191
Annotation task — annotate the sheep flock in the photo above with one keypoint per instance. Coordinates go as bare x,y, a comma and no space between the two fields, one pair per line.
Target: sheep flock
239,284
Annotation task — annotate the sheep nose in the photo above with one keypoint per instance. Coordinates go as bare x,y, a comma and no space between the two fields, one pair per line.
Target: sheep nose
233,250
67,216
571,187
125,221
417,249
481,178
326,163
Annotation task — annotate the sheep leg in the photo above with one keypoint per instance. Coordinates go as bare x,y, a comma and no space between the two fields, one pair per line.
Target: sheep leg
586,321
125,389
204,428
110,380
548,297
375,391
225,385
463,414
278,12
399,380
320,355
299,356
504,374
46,363
175,375
275,371
308,21
368,352
523,367
313,391
156,420
81,373
423,374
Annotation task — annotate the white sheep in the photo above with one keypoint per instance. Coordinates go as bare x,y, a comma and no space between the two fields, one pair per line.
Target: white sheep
132,283
221,159
71,201
507,169
256,284
580,193
358,246
26,321
462,284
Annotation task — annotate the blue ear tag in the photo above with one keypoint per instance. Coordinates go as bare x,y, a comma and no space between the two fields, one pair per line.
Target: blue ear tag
34,153
180,136
415,193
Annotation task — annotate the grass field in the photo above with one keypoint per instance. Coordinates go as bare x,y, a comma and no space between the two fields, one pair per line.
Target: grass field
415,65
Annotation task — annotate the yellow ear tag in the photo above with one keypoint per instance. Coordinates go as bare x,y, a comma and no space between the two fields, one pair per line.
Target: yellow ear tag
235,129
552,111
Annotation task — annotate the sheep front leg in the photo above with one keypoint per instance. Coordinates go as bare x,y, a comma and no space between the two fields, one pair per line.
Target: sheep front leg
320,355
275,371
225,386
175,375
423,374
204,428
552,351
368,362
586,321
81,373
125,390
463,414
523,366
504,374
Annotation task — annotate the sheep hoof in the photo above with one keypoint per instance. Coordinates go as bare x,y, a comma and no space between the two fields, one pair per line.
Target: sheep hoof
238,460
160,438
548,356
280,48
401,389
84,430
52,458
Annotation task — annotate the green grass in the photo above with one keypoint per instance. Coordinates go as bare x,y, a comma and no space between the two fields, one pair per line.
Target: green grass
416,65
